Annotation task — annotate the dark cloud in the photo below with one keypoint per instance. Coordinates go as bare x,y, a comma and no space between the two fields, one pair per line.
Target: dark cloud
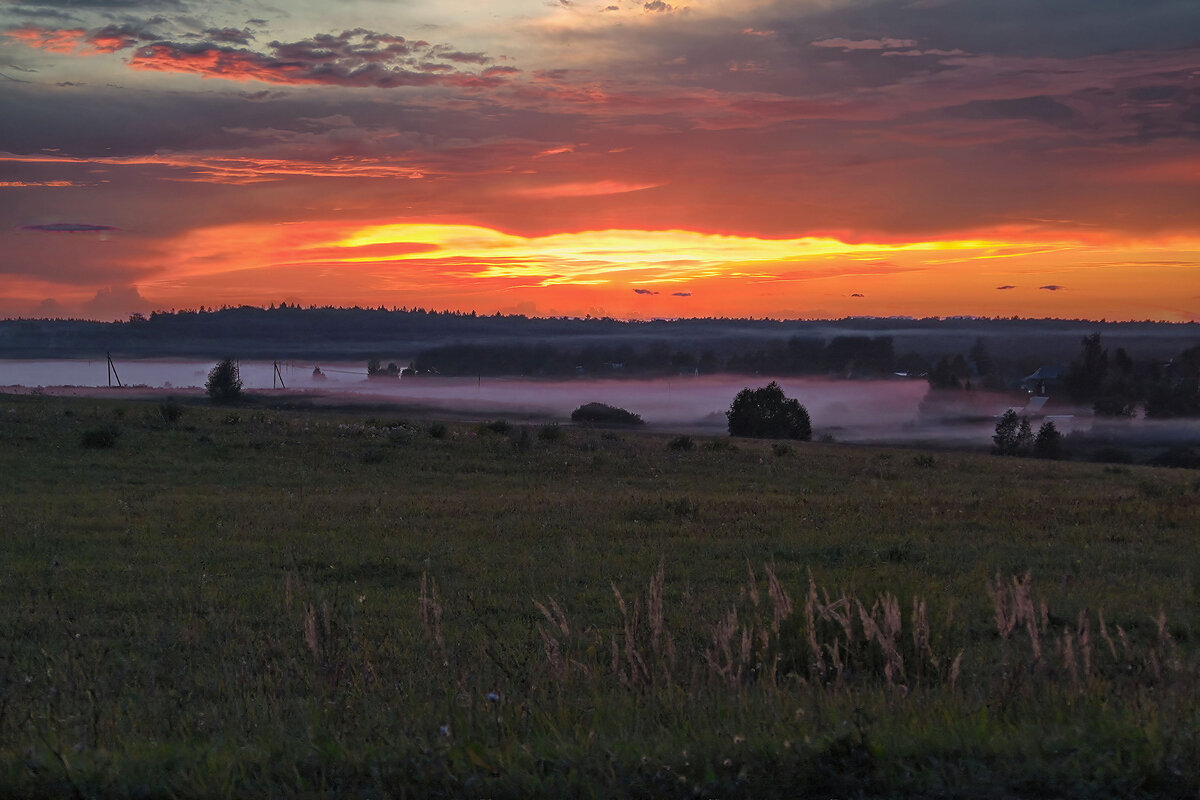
117,302
1053,287
643,291
68,227
856,294
357,58
658,7
1006,286
104,5
1041,109
25,12
229,35
1063,28
681,294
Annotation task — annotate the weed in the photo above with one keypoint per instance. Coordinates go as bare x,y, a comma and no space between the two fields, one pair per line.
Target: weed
100,437
552,432
171,413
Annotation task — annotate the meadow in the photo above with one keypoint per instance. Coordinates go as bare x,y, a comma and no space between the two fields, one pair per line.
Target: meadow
202,601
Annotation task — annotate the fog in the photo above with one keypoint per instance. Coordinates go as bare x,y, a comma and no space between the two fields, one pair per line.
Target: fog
875,411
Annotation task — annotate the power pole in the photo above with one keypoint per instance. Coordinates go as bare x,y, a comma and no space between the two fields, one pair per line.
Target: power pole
112,372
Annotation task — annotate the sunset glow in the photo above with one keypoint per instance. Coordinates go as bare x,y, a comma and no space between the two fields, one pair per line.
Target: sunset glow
637,160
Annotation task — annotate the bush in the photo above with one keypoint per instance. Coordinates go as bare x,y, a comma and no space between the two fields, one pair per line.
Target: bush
766,413
1180,457
1112,455
102,437
224,383
681,443
438,430
601,414
550,433
780,449
171,413
501,426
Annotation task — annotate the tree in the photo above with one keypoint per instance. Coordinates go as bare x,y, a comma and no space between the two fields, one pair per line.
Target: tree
766,413
1086,375
224,382
1004,442
1048,443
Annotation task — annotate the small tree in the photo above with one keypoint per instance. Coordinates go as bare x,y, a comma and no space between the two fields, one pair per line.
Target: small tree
224,383
1004,441
766,413
1048,443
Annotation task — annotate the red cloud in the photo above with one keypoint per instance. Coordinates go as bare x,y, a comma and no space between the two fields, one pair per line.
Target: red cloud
53,41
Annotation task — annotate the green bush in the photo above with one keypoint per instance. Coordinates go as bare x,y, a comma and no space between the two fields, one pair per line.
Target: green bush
767,413
101,437
224,384
550,433
170,412
601,414
681,443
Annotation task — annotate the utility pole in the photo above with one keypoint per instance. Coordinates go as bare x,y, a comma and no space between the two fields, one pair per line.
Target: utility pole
112,372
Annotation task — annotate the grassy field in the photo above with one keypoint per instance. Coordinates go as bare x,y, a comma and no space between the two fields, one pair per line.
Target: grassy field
206,602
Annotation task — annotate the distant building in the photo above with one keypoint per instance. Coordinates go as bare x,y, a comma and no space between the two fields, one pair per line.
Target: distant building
1044,381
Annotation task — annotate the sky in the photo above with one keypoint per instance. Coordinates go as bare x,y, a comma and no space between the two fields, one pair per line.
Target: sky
699,158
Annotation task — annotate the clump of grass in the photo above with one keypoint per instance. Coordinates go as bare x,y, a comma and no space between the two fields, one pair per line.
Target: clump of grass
500,426
718,445
781,449
170,412
551,432
100,437
231,419
925,461
438,430
681,443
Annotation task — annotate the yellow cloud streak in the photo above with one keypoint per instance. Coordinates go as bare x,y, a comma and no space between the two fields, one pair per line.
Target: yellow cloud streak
669,253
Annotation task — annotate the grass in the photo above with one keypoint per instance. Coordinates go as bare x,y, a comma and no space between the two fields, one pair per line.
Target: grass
316,604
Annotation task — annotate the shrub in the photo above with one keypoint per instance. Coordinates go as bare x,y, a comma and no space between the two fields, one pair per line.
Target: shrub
501,426
438,430
766,413
681,443
171,412
601,414
550,433
781,449
1048,443
102,437
224,384
1112,455
1180,456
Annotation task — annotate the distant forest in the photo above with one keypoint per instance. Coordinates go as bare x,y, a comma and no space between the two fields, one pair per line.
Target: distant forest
961,352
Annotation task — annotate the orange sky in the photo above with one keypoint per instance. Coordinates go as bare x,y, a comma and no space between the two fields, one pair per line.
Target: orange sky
725,158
